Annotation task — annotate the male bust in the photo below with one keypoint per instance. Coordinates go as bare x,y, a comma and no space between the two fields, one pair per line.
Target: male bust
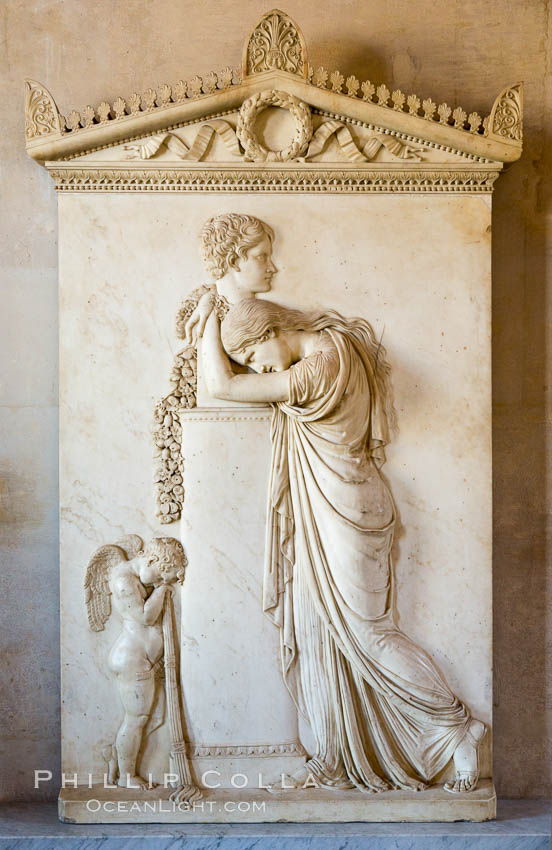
237,252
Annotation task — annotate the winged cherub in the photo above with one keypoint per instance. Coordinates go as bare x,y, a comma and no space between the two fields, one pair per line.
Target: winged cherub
135,580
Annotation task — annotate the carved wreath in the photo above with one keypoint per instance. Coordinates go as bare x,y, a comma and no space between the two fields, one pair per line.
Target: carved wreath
245,131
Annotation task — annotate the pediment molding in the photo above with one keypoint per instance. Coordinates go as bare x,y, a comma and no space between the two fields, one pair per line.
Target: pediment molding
274,59
354,141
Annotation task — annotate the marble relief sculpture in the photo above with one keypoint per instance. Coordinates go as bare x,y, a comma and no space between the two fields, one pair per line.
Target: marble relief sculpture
296,143
382,715
139,583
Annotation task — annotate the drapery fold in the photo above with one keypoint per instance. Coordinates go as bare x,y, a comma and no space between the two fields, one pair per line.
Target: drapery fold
375,701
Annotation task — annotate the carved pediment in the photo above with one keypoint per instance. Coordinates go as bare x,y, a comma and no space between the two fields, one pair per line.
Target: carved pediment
308,136
222,117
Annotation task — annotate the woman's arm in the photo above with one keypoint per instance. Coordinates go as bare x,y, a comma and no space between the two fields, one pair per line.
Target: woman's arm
224,384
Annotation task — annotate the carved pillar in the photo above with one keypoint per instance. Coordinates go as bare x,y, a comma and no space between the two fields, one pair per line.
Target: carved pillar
241,718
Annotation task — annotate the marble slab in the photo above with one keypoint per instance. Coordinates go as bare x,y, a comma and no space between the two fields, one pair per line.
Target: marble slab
388,258
99,805
520,825
275,603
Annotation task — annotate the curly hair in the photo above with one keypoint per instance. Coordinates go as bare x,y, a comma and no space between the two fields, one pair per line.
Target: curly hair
167,554
226,239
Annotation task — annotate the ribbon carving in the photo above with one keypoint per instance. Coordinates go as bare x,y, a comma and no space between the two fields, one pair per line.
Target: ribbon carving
350,148
175,144
320,138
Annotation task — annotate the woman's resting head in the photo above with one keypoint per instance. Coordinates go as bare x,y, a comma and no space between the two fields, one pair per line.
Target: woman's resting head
262,334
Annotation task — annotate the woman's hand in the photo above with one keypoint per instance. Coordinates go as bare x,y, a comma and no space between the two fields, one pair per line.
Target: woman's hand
223,383
195,326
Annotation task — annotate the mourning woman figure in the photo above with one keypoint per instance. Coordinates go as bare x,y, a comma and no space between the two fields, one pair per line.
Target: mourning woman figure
381,713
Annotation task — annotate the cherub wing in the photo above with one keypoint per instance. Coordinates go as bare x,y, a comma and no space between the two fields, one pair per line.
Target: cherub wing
97,594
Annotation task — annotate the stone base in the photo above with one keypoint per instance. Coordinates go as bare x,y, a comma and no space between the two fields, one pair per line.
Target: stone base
99,805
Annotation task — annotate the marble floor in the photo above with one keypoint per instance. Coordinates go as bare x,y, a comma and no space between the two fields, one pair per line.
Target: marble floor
520,825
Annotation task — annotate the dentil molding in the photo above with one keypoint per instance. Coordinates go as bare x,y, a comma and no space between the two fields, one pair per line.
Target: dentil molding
125,178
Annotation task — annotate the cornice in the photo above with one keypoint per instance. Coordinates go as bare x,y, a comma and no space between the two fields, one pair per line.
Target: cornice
283,67
323,178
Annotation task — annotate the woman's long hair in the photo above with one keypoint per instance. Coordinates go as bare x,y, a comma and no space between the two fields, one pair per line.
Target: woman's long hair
252,321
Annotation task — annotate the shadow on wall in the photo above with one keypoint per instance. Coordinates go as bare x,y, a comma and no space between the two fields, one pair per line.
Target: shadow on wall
521,202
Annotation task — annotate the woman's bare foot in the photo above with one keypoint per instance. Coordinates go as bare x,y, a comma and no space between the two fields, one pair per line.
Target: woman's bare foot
290,781
466,760
303,778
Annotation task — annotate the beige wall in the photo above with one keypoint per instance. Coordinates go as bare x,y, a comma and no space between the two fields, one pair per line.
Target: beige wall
459,51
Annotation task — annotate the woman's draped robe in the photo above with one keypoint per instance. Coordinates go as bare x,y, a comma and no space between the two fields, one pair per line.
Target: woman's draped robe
375,701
